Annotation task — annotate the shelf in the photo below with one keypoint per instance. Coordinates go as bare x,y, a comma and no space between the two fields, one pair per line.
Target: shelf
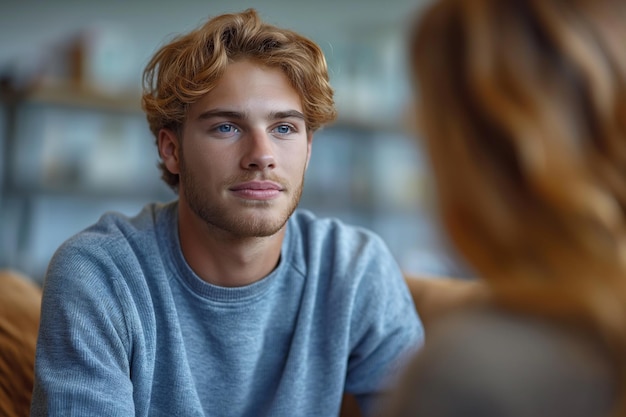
75,95
71,94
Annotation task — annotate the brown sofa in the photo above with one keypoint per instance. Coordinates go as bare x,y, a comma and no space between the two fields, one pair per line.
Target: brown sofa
20,301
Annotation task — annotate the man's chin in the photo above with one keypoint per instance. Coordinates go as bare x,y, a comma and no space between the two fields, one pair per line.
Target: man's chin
255,224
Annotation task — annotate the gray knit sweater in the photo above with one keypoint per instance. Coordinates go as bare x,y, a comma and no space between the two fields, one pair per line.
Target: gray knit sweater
128,329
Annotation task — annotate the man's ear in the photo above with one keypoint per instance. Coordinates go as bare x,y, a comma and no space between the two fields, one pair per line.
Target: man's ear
169,150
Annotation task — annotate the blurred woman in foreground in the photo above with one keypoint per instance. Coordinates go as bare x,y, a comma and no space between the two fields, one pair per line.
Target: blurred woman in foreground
522,107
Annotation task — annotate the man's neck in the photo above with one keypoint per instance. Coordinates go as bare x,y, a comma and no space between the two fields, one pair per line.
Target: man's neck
222,259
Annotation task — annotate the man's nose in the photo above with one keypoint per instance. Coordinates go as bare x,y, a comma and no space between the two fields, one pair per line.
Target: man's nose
259,151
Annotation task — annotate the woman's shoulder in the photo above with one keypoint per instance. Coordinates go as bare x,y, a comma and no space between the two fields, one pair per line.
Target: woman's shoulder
487,362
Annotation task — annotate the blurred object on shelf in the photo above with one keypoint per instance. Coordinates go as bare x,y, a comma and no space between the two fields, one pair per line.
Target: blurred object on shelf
91,65
367,71
110,61
83,150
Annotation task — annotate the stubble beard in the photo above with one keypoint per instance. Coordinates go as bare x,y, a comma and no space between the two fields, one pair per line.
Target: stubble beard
262,223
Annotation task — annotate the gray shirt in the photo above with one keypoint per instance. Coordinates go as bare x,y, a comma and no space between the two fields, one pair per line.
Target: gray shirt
128,329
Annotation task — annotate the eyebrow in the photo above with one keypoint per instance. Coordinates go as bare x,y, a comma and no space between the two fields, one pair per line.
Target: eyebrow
230,114
227,114
286,114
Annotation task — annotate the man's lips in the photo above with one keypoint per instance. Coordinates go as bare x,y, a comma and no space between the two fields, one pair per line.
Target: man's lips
257,190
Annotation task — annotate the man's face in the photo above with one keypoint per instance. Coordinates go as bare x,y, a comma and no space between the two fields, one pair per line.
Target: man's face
245,149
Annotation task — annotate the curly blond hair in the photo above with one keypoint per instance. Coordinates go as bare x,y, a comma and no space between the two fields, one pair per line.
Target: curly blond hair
523,111
190,66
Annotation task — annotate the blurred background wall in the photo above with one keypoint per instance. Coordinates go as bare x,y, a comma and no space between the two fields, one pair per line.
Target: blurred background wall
74,142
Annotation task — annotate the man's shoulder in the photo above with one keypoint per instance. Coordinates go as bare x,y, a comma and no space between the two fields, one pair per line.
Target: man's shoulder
114,227
310,224
312,237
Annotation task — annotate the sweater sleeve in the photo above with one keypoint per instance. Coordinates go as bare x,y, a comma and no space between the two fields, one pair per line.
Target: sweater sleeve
82,363
386,330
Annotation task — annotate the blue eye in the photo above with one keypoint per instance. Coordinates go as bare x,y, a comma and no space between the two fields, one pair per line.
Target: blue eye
283,129
225,128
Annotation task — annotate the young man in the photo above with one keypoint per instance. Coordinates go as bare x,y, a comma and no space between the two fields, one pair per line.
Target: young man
227,301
